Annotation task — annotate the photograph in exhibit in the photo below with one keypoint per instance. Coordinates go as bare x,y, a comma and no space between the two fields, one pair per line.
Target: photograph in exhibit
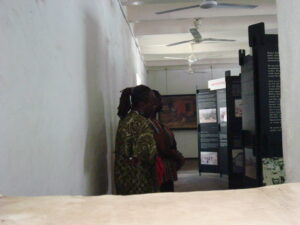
223,114
237,161
207,115
209,158
238,107
179,111
273,171
250,164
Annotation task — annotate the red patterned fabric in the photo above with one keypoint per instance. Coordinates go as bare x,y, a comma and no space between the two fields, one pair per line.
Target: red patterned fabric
159,166
171,158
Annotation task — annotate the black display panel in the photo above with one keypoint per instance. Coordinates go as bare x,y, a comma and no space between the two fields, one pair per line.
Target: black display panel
260,81
250,120
234,132
267,61
222,120
208,131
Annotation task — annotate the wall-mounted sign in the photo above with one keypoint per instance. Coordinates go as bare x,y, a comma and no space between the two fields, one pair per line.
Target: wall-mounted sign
217,84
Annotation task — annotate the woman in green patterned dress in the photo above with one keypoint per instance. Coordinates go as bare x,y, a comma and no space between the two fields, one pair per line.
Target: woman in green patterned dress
135,146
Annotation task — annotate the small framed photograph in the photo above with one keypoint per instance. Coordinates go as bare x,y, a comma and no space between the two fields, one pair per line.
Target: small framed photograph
208,115
238,108
223,114
209,158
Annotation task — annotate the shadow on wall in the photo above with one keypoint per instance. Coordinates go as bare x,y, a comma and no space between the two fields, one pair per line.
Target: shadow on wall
95,157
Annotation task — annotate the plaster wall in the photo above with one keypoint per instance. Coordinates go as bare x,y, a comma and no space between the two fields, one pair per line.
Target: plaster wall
62,66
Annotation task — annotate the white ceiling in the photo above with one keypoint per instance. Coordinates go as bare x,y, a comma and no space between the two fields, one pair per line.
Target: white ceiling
154,32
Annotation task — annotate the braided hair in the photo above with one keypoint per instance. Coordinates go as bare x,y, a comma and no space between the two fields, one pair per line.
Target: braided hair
158,96
131,98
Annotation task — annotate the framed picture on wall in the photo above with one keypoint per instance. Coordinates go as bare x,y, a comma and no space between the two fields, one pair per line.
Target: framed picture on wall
179,111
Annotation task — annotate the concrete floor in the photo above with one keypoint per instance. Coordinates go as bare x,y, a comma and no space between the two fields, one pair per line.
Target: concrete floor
190,180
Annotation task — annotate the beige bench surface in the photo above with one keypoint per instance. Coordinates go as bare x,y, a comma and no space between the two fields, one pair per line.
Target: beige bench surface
272,205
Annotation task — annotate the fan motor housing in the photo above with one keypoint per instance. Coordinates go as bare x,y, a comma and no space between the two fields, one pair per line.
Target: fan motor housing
208,4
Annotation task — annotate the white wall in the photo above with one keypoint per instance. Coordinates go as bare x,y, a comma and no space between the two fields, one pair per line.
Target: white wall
176,80
289,49
62,66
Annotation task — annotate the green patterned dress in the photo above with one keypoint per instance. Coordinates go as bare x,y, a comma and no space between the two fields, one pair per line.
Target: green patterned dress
135,156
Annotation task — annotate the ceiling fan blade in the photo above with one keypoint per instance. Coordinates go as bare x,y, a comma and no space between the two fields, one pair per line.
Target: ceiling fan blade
178,9
176,58
237,6
216,39
179,43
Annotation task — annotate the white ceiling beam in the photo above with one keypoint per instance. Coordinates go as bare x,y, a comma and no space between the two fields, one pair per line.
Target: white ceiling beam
147,12
183,49
207,24
160,41
202,67
144,2
234,61
210,54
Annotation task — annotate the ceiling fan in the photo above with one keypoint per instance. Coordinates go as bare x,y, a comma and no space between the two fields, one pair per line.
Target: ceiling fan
192,58
197,38
207,4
